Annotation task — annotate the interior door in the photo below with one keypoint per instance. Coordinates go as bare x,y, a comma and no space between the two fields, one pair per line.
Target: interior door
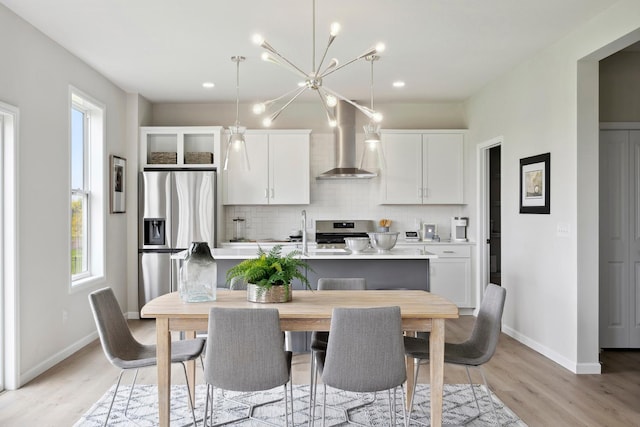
619,239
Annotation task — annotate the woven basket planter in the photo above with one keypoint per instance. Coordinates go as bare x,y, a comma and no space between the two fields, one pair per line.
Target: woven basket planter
274,294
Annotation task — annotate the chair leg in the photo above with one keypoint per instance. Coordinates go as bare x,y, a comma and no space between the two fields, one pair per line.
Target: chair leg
186,378
286,407
291,396
115,392
392,407
415,383
324,403
312,396
133,383
488,391
206,406
473,390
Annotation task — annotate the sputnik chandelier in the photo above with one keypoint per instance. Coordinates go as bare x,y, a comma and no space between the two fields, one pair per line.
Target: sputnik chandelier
312,80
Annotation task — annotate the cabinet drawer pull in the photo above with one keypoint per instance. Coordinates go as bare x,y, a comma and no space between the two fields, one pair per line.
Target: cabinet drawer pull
449,252
266,193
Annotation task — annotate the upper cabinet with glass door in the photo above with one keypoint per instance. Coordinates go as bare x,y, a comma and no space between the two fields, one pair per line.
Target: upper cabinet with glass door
193,147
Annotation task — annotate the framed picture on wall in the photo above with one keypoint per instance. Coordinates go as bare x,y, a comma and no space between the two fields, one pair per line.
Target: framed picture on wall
117,178
535,184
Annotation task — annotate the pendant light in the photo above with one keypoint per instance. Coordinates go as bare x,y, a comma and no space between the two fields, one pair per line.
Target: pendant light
373,144
237,147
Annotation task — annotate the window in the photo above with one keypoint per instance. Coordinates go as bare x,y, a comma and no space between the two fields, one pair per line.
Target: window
87,222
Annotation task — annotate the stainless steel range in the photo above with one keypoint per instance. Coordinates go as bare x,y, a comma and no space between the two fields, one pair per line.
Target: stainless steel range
330,234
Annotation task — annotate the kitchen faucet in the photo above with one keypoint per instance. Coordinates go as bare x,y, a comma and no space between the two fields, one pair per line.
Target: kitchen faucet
304,232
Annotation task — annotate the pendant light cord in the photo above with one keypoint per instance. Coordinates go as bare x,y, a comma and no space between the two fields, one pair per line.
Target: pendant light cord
237,93
313,38
372,60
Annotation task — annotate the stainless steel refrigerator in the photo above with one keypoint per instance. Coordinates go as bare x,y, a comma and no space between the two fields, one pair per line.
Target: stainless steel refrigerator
176,208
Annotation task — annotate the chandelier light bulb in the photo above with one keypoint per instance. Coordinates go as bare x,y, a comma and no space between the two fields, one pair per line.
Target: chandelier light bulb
380,47
258,39
259,108
333,123
376,117
332,101
266,122
335,29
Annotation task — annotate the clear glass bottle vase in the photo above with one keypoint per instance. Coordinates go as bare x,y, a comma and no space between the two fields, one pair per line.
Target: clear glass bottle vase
198,282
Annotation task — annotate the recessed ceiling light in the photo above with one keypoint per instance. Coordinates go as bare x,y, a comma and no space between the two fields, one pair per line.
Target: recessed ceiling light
398,83
208,85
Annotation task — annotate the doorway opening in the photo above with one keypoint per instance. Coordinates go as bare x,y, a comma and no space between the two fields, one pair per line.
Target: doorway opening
8,248
495,226
489,168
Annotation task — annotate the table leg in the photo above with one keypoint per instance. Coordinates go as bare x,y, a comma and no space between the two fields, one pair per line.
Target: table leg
191,368
163,337
436,362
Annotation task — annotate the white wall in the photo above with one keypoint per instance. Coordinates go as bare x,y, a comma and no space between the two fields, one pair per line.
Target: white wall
542,106
35,76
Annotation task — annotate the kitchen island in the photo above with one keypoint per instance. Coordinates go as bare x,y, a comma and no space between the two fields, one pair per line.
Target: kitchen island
399,268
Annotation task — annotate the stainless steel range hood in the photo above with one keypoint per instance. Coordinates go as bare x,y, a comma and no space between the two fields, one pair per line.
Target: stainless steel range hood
346,147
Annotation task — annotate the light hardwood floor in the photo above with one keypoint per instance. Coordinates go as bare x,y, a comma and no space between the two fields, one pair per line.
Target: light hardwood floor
541,392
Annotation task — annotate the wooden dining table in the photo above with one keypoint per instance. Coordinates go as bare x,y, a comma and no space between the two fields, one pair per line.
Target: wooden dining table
308,311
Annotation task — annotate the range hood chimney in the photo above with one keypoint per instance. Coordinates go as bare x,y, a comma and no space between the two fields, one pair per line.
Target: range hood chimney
346,146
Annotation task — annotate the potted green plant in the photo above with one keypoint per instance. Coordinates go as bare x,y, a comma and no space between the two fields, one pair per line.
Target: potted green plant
269,276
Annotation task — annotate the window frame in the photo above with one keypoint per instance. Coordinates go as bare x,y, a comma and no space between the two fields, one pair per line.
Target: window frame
94,155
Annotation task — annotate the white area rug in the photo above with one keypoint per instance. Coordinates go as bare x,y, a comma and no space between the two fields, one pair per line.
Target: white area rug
143,409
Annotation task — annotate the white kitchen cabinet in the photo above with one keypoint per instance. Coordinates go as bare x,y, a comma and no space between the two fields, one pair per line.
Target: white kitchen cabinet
278,170
450,273
423,167
180,146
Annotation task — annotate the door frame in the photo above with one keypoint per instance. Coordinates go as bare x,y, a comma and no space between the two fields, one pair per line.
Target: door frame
483,231
9,289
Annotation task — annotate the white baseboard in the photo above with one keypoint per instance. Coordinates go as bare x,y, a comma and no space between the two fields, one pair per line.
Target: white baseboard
576,368
32,373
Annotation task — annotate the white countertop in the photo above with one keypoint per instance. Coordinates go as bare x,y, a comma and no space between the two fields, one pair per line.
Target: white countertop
395,253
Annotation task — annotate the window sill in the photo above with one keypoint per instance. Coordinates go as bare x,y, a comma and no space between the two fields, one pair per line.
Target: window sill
87,282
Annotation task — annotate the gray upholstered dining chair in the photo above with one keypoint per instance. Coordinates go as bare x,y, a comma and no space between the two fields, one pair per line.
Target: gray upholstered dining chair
475,351
240,284
125,352
245,352
365,354
319,338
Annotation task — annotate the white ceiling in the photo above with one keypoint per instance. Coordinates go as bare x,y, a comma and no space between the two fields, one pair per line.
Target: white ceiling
445,50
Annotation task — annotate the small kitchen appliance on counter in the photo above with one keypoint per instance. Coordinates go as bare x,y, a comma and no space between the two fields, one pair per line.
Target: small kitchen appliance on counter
429,231
330,234
239,228
459,229
411,236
